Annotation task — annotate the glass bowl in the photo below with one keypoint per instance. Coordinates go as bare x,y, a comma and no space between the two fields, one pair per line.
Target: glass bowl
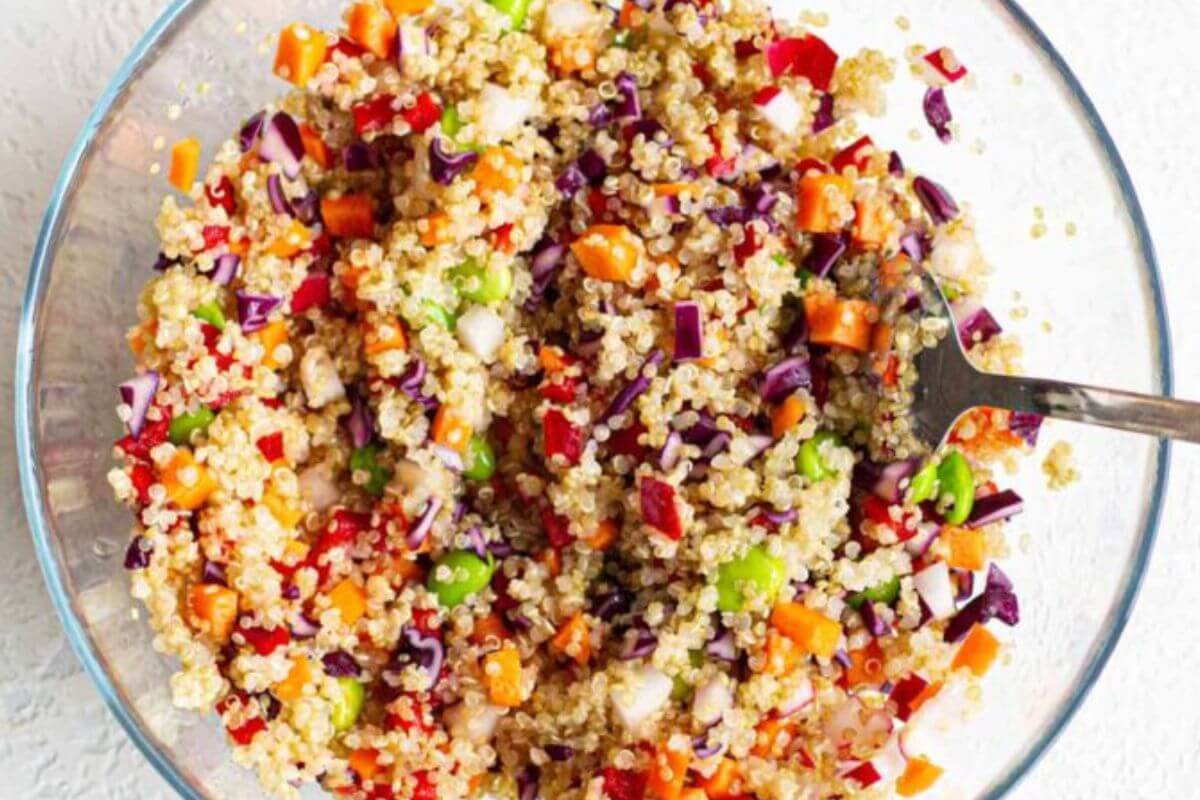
1088,307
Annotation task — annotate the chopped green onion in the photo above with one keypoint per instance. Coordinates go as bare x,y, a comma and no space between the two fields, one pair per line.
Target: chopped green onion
211,313
366,459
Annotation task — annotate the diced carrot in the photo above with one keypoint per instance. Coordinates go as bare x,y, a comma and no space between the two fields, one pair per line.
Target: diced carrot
670,189
185,164
881,338
866,666
213,610
286,514
724,783
188,482
787,415
770,732
834,321
967,548
573,639
811,630
437,230
294,552
606,533
314,146
349,216
451,430
824,202
892,270
631,16
607,252
294,240
668,771
498,170
401,7
874,220
239,247
488,627
385,336
372,27
270,337
552,560
693,793
573,54
502,676
349,599
364,762
781,655
292,687
919,775
301,53
551,359
978,651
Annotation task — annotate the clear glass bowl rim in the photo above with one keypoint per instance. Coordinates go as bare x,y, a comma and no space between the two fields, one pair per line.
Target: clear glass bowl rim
26,360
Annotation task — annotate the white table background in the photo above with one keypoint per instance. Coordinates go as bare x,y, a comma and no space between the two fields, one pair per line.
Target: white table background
1137,736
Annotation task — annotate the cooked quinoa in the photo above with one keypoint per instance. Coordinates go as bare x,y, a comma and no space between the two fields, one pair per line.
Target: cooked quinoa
522,411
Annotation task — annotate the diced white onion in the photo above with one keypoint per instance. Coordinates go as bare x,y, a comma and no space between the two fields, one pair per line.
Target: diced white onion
317,487
320,379
481,331
473,723
934,585
783,112
711,702
643,696
501,112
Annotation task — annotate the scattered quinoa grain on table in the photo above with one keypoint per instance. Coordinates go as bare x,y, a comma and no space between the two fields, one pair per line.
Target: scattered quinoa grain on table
521,410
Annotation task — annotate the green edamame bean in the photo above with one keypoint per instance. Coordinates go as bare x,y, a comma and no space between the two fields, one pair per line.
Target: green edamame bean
515,10
924,484
885,592
482,284
481,459
809,461
438,315
366,459
468,574
212,314
183,426
956,480
347,703
758,569
451,121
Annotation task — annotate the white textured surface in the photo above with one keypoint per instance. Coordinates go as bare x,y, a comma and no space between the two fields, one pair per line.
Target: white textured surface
1136,735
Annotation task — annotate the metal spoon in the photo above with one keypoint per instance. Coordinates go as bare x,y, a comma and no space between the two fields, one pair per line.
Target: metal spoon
950,385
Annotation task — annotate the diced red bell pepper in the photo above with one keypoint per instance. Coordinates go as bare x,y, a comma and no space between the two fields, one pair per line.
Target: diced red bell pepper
806,759
940,61
142,477
265,640
321,246
857,155
313,292
807,165
214,235
557,529
424,113
905,692
865,773
597,203
346,47
223,195
560,437
701,73
879,512
659,509
765,95
425,620
623,784
718,166
424,788
748,246
375,114
744,48
560,391
245,733
271,446
807,57
625,442
153,434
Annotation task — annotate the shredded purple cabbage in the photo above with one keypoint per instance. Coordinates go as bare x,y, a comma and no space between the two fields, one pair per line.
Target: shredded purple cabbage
996,601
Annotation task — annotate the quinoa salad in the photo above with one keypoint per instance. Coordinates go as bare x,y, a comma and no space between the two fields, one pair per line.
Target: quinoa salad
521,411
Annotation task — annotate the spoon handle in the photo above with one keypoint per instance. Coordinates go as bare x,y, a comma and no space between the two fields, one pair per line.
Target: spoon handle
1158,416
